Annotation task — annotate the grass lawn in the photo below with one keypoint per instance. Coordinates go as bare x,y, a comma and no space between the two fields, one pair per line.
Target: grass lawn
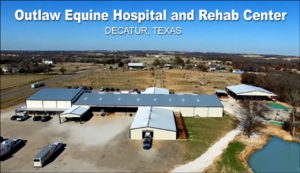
230,161
17,80
203,132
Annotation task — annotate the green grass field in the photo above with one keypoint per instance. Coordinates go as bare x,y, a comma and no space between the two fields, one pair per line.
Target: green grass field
230,161
203,132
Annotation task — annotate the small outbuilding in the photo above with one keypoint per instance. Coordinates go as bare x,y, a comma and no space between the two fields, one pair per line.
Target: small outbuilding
159,122
221,93
135,65
249,92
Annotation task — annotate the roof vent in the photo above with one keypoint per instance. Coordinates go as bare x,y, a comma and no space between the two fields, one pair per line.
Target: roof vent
138,99
85,98
182,99
170,100
119,99
154,99
100,98
198,100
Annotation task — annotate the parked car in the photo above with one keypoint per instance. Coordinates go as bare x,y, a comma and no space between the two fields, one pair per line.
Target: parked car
14,117
59,146
45,118
37,85
22,117
147,143
36,118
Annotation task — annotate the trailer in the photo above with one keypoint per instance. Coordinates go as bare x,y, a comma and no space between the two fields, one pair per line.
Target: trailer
8,145
46,153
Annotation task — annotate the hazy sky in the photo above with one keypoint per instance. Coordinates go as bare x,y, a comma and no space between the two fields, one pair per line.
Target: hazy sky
265,37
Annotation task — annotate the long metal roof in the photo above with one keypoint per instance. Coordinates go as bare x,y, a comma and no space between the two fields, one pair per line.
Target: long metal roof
62,94
154,118
171,100
243,88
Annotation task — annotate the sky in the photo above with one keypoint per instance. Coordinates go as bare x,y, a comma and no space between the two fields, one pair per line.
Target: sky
263,37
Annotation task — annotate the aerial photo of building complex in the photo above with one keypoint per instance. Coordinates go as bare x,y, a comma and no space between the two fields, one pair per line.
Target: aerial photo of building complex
74,99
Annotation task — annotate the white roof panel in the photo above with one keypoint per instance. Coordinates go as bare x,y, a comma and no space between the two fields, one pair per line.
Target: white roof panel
77,110
136,64
243,88
154,118
156,90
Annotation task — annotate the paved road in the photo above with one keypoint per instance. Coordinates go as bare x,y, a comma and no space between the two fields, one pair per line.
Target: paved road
49,83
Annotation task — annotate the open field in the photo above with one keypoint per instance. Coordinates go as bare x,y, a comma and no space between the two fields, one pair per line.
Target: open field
16,80
203,132
73,67
177,80
197,81
123,80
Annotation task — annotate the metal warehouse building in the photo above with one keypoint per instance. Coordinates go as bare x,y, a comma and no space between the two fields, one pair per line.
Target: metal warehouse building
53,99
189,105
159,122
249,92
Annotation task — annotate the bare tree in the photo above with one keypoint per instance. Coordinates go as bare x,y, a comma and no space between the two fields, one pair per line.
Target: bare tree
294,99
62,70
253,111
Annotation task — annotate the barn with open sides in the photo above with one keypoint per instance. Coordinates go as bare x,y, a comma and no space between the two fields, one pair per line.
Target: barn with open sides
160,123
249,92
74,112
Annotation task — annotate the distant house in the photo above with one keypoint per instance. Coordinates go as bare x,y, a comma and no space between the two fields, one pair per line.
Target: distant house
212,69
48,61
7,69
135,66
238,71
170,66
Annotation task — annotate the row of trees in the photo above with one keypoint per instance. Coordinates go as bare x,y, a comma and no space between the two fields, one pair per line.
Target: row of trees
281,83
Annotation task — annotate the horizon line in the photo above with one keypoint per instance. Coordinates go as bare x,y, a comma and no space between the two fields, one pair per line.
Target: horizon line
144,50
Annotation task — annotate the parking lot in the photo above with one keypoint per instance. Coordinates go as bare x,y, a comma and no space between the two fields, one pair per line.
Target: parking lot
100,145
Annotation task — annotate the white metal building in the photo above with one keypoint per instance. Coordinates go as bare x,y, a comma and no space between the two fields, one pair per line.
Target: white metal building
159,122
53,99
243,91
189,105
135,65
